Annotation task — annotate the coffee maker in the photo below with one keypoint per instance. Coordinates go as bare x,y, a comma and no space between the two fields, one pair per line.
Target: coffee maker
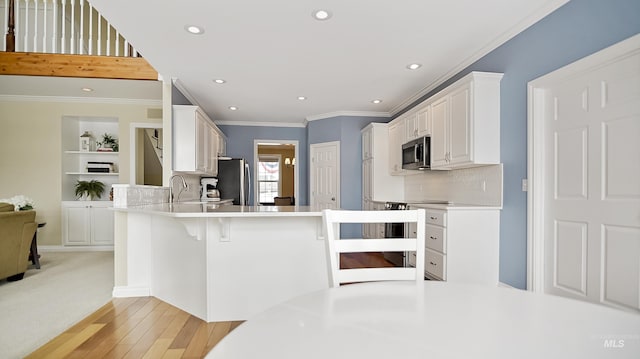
209,189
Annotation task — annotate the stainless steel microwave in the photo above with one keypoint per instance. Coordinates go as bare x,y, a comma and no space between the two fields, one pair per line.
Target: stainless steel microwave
416,154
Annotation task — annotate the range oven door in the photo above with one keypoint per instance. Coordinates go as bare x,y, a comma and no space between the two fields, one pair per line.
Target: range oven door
394,230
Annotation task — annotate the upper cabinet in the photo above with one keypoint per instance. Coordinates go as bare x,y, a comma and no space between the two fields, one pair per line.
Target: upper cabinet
377,184
196,141
396,140
465,119
418,123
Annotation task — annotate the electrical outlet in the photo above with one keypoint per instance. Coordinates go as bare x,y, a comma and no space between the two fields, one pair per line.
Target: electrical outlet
525,185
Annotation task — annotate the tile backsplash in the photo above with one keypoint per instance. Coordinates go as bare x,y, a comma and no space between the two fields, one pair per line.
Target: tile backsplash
132,195
478,185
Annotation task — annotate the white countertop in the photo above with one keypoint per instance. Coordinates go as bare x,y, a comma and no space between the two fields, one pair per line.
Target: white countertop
214,209
453,206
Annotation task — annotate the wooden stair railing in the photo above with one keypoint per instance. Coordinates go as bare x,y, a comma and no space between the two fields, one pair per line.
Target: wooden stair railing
129,65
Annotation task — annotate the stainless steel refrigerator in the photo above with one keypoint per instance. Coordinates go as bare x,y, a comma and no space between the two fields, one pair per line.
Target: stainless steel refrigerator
234,180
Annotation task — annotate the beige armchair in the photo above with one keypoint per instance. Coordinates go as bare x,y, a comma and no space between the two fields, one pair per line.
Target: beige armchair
16,232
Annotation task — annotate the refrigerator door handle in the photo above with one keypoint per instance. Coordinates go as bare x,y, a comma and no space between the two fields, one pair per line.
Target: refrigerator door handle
247,169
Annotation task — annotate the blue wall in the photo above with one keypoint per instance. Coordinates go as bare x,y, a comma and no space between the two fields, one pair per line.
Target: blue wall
345,129
576,30
240,145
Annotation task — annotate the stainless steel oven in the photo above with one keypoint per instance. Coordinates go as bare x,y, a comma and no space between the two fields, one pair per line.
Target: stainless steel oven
395,230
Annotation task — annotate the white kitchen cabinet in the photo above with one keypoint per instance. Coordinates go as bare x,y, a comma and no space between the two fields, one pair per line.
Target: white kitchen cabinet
396,140
87,223
466,122
439,132
378,185
195,141
410,127
462,244
222,144
367,150
212,147
418,123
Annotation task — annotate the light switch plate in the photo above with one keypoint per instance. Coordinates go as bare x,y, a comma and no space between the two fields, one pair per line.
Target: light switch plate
525,185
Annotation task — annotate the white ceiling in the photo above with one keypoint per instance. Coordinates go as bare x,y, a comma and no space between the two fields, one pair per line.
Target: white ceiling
271,52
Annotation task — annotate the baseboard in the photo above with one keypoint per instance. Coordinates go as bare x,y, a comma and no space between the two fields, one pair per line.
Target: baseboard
126,292
504,285
42,248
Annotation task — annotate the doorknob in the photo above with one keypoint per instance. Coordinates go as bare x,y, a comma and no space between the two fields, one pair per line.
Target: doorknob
333,198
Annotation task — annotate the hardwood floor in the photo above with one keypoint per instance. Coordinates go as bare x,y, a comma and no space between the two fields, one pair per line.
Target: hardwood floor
147,327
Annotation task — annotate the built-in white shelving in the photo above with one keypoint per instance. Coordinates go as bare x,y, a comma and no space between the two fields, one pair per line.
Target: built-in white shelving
74,161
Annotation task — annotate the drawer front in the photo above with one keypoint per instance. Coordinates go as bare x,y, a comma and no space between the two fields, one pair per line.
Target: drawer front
437,217
436,238
435,264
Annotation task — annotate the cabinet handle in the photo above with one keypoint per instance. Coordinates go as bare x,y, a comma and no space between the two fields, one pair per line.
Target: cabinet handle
433,218
433,264
434,238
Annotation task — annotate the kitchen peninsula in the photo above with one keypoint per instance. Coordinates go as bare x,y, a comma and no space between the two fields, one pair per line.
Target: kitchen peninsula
222,262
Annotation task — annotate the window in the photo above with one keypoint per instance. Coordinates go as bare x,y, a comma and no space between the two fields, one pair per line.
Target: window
268,178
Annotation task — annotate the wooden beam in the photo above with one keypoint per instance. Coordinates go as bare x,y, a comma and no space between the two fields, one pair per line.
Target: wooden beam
107,67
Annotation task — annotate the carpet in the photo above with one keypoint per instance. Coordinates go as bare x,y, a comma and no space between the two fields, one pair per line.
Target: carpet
68,287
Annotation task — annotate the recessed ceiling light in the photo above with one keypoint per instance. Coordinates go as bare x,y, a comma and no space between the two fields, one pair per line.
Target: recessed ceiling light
87,89
322,15
376,101
232,108
219,81
414,66
193,29
301,98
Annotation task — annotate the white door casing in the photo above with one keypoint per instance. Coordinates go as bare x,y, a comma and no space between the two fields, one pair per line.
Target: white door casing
296,176
324,175
584,179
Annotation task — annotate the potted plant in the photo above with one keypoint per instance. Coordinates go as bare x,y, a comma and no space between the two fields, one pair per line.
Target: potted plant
89,189
108,141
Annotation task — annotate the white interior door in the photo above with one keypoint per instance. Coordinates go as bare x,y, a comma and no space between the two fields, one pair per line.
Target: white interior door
590,190
324,178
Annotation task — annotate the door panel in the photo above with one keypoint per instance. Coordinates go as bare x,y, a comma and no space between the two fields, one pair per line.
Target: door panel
571,257
592,184
102,226
325,175
621,139
571,164
77,225
621,272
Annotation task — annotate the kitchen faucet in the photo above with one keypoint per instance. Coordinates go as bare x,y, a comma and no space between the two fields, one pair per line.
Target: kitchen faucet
184,185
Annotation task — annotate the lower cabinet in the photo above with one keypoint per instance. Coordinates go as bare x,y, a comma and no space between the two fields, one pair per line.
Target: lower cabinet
462,245
87,223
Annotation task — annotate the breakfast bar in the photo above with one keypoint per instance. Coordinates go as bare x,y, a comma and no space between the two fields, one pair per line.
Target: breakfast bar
222,262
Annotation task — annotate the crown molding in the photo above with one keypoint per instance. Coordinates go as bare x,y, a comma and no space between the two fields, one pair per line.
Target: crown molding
347,113
178,84
262,124
545,10
66,99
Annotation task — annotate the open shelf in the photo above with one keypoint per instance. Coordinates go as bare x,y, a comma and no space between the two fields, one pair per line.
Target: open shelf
91,152
93,173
